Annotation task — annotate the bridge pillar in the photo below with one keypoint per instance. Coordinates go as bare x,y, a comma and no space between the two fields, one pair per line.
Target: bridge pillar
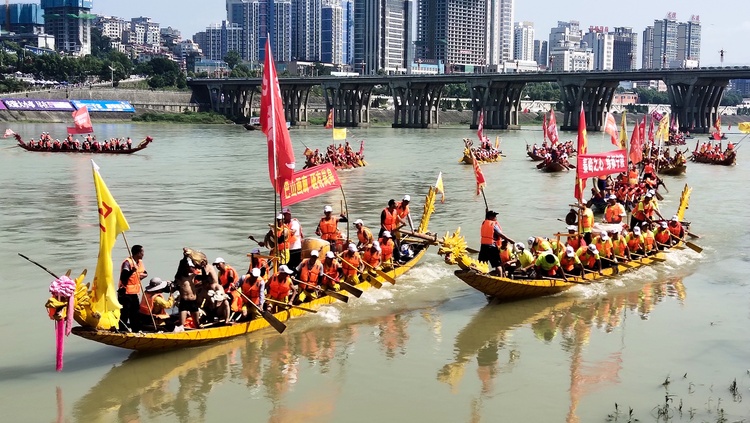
350,102
416,104
695,101
595,95
294,97
500,101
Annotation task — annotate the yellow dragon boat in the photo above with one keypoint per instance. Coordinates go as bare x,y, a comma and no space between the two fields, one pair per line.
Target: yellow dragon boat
476,274
164,341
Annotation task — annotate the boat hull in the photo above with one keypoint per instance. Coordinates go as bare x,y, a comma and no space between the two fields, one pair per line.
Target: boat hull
673,170
126,151
467,159
165,341
553,167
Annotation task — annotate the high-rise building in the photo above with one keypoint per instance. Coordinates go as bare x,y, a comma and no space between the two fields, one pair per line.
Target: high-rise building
523,41
455,32
500,37
219,39
24,18
69,21
689,40
540,52
111,27
382,35
258,18
565,51
147,32
306,30
647,61
332,31
601,42
665,41
625,49
347,7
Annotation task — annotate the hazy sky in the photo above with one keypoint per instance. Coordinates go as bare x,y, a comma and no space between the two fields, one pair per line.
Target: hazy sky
725,25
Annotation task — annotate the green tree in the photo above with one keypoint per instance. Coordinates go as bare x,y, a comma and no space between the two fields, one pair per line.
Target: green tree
101,45
233,58
240,71
542,91
459,105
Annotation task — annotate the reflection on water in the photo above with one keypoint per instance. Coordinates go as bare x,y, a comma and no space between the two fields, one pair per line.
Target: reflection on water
569,320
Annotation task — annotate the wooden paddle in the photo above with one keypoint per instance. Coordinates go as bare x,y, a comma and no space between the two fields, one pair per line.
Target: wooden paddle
309,310
625,262
654,258
689,244
374,282
380,273
616,266
347,286
270,318
332,294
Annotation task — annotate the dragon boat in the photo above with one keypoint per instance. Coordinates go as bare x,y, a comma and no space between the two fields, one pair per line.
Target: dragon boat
729,160
468,158
91,322
477,274
673,169
554,166
142,145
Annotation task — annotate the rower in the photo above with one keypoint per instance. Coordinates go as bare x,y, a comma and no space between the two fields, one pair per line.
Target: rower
574,240
364,234
635,241
604,245
619,246
295,237
387,248
615,212
328,228
310,272
254,289
491,233
589,257
402,210
372,255
547,264
331,269
663,236
155,304
649,242
675,228
281,288
539,245
524,257
351,256
389,218
229,280
569,262
644,209
507,255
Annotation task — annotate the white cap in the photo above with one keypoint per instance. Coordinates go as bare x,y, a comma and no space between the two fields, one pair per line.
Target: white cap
407,198
330,254
664,225
286,210
649,194
284,268
327,209
612,197
675,218
593,249
219,260
569,251
352,247
314,253
255,272
572,228
359,222
531,241
387,234
636,230
604,236
279,216
255,250
376,244
520,245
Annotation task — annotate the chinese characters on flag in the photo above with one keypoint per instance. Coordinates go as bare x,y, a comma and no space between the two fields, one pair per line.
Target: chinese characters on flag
82,122
309,183
593,165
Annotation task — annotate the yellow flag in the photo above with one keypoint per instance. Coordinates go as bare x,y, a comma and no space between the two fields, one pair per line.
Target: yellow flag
339,134
111,224
497,142
623,133
744,127
439,186
663,131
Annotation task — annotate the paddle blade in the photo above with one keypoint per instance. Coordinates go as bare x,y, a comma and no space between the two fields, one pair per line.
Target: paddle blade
374,282
270,318
336,295
350,289
693,247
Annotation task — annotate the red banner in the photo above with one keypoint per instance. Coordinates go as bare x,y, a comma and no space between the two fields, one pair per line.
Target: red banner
592,165
82,122
309,183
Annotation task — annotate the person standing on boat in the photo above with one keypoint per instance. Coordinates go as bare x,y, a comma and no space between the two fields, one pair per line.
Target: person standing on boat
192,264
490,235
389,218
364,234
614,212
328,227
132,272
587,222
229,280
402,210
310,271
295,238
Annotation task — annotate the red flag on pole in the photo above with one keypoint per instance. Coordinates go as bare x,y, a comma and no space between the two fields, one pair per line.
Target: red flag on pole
479,176
636,144
273,123
582,149
552,128
610,127
480,129
544,127
81,122
329,121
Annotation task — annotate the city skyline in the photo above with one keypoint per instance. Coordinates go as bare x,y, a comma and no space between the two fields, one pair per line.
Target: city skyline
721,29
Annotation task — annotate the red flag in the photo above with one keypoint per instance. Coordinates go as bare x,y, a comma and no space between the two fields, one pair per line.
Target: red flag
480,129
582,149
651,130
309,183
479,176
329,121
610,127
273,123
82,122
636,144
552,128
544,127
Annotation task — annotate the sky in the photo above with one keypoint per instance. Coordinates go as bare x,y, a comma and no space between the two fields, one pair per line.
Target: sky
724,23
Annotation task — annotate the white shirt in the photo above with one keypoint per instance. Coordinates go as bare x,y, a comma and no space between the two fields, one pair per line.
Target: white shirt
295,230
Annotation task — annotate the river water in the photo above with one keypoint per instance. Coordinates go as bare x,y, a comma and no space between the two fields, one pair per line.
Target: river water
668,339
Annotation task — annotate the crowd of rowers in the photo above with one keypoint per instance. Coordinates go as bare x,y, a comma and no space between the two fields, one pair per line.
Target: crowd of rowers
209,294
554,152
677,138
663,158
578,254
485,153
342,156
627,188
46,143
713,152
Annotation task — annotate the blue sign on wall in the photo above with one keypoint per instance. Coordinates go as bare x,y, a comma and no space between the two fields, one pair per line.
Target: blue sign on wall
104,105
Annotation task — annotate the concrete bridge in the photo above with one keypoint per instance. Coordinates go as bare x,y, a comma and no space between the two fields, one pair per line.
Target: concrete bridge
694,95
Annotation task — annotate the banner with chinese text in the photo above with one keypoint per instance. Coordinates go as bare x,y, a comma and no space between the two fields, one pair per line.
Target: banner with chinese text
592,165
309,183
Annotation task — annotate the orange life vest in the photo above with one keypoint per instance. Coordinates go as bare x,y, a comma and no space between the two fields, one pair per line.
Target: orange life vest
487,232
604,247
612,214
576,242
284,245
635,242
364,236
619,247
587,220
649,241
252,289
329,228
662,236
279,289
225,276
371,258
506,255
148,307
352,259
332,270
134,282
386,248
643,210
402,210
311,276
568,263
587,259
675,228
391,219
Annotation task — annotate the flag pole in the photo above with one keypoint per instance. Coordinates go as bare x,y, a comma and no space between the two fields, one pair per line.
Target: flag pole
143,293
271,86
486,207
